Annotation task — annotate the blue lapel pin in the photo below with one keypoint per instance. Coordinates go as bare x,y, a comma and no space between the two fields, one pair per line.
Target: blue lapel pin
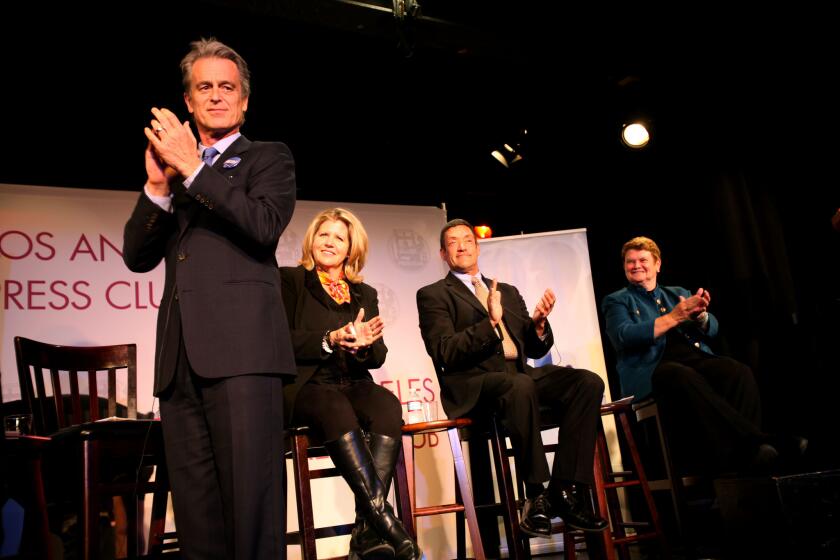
231,162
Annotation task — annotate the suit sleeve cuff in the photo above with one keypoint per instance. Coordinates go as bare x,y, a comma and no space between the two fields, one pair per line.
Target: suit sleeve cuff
164,202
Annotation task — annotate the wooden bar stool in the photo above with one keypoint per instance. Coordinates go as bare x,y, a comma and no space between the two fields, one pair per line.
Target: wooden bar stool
404,481
607,483
508,506
301,451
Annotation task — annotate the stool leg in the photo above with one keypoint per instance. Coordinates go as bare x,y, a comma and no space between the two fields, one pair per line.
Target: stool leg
91,502
616,518
640,474
157,525
466,492
569,552
460,519
503,476
306,521
404,482
603,539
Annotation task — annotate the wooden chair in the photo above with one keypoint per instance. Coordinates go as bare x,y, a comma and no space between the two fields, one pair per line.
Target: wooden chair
111,455
301,451
464,503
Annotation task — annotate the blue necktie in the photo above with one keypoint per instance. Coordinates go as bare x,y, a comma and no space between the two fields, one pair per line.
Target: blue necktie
208,155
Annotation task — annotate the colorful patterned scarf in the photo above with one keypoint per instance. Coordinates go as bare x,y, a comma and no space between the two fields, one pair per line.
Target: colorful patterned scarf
338,289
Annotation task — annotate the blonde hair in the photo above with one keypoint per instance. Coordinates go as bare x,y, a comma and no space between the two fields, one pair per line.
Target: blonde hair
357,251
641,244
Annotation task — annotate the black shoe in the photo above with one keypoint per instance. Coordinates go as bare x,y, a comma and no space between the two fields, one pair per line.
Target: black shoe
536,520
789,446
366,544
564,504
765,457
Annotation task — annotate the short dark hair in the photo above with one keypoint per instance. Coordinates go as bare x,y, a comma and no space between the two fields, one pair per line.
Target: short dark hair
454,223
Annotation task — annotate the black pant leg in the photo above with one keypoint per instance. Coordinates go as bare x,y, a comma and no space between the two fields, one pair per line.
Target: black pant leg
705,431
514,397
196,493
574,397
245,415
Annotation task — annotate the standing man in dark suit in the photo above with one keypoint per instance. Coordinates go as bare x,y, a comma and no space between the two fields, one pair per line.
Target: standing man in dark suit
479,334
214,210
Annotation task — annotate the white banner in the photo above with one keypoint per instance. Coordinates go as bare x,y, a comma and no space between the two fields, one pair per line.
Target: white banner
558,260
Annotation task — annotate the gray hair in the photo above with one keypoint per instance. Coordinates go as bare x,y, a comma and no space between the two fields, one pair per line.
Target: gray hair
211,48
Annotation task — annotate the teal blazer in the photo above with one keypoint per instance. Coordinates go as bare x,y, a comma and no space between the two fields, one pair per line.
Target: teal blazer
629,314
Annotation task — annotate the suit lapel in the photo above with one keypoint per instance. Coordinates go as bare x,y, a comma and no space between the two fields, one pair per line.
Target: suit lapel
460,290
313,284
239,147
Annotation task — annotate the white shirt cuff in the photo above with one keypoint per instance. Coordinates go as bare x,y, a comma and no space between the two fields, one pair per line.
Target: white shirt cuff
165,202
188,181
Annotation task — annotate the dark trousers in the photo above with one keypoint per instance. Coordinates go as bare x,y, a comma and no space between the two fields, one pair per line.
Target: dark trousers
224,452
333,409
571,398
711,410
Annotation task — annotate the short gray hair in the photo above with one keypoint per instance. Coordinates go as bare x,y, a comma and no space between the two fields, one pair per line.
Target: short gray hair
211,48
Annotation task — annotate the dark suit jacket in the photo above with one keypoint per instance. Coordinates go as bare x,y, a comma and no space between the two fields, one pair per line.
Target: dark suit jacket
311,312
630,314
221,271
463,345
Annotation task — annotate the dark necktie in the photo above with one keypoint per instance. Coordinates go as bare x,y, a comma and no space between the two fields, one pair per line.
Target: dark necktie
208,155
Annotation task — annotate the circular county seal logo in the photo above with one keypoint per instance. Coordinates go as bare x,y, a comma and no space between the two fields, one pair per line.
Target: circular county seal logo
288,249
389,304
408,249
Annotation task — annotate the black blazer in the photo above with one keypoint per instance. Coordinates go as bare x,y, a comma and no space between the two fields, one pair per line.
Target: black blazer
463,345
221,272
311,312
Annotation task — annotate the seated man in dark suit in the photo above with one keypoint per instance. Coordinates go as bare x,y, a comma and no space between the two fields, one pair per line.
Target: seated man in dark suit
478,333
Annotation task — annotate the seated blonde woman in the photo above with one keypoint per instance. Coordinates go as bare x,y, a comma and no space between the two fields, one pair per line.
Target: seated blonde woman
337,337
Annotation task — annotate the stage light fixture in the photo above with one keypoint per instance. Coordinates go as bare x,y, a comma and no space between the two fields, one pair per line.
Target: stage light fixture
510,154
635,135
483,232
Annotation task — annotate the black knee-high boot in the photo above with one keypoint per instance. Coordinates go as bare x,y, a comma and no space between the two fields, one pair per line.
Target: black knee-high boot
353,459
365,542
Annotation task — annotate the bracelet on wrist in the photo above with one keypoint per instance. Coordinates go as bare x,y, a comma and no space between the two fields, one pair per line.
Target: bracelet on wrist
326,343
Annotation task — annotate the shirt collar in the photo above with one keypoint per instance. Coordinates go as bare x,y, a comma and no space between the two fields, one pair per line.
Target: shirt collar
221,145
655,293
467,279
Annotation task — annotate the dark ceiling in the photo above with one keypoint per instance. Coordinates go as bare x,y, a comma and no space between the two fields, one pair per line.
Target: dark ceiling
379,110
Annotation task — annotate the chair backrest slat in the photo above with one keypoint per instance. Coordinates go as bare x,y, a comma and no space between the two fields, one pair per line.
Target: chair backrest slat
35,357
75,400
132,381
93,391
55,378
112,392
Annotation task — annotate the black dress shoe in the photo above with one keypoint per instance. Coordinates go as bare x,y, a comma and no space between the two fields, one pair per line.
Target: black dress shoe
564,504
789,446
536,520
